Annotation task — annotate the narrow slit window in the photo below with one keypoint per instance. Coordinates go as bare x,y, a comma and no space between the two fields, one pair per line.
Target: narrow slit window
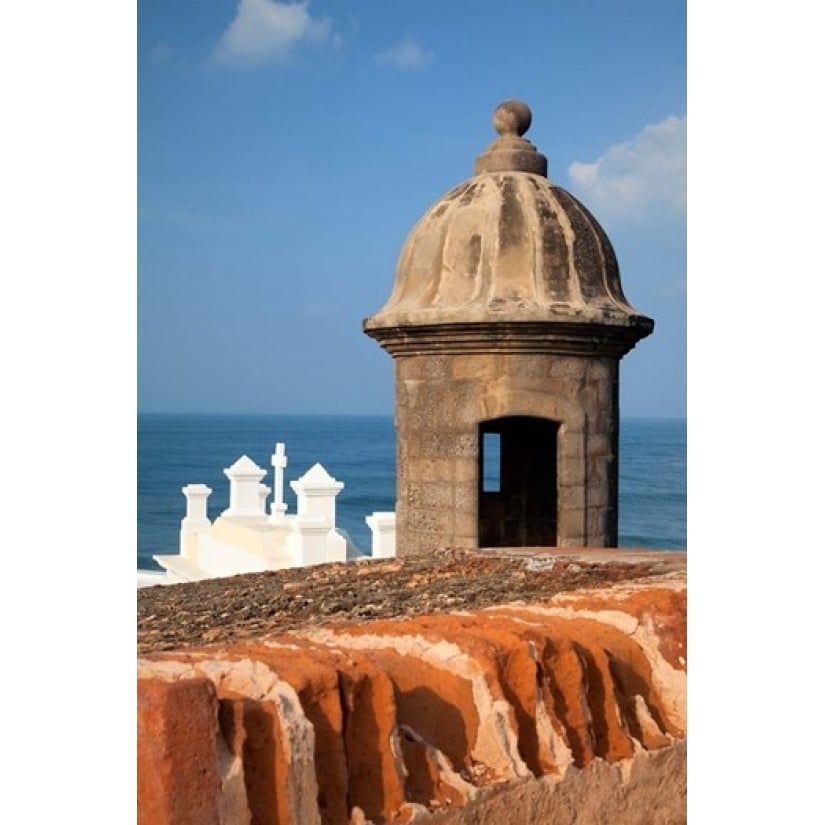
491,471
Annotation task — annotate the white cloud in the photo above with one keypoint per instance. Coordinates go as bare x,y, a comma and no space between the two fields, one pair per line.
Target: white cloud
265,31
407,54
644,176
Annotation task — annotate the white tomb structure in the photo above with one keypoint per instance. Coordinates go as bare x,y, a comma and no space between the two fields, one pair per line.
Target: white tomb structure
245,539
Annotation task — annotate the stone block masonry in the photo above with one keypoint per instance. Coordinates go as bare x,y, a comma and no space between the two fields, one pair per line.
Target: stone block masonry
438,425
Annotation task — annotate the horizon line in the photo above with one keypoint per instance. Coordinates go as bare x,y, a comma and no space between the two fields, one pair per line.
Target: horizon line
682,417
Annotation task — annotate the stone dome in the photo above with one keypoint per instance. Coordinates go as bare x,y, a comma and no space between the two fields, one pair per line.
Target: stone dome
508,246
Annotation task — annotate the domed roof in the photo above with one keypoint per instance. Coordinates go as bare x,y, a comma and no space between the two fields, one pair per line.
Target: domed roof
508,246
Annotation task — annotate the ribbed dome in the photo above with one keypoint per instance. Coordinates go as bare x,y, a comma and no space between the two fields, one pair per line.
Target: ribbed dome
509,246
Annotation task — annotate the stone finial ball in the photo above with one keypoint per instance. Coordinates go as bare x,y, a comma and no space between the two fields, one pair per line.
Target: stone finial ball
512,117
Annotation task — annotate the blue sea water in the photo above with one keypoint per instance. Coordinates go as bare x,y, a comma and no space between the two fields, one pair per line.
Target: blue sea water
176,450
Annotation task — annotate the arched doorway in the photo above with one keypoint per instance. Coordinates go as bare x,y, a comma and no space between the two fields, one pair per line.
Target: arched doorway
518,493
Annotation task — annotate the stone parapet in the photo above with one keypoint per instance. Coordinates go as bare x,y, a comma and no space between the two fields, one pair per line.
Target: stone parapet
564,707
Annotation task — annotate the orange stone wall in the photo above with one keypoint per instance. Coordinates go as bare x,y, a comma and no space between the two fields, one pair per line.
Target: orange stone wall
568,710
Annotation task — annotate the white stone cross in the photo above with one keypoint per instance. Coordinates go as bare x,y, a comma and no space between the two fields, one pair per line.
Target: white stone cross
279,462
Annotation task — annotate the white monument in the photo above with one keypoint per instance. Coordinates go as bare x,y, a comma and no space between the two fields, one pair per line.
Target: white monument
244,539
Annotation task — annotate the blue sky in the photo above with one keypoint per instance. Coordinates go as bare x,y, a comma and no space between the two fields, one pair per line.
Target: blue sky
285,150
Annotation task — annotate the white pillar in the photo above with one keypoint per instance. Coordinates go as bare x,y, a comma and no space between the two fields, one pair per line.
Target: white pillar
316,490
196,519
244,488
307,543
383,534
263,492
279,462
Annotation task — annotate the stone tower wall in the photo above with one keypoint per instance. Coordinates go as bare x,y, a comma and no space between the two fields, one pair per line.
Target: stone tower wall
440,401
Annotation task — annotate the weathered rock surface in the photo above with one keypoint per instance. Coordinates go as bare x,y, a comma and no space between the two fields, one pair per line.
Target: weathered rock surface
565,708
241,607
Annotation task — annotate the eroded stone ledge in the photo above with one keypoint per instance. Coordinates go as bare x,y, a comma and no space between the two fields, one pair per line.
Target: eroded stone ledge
569,708
239,607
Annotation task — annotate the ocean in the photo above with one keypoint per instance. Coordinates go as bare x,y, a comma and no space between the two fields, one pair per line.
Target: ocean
176,450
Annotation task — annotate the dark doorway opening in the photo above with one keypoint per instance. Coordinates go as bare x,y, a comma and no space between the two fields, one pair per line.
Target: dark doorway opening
517,490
